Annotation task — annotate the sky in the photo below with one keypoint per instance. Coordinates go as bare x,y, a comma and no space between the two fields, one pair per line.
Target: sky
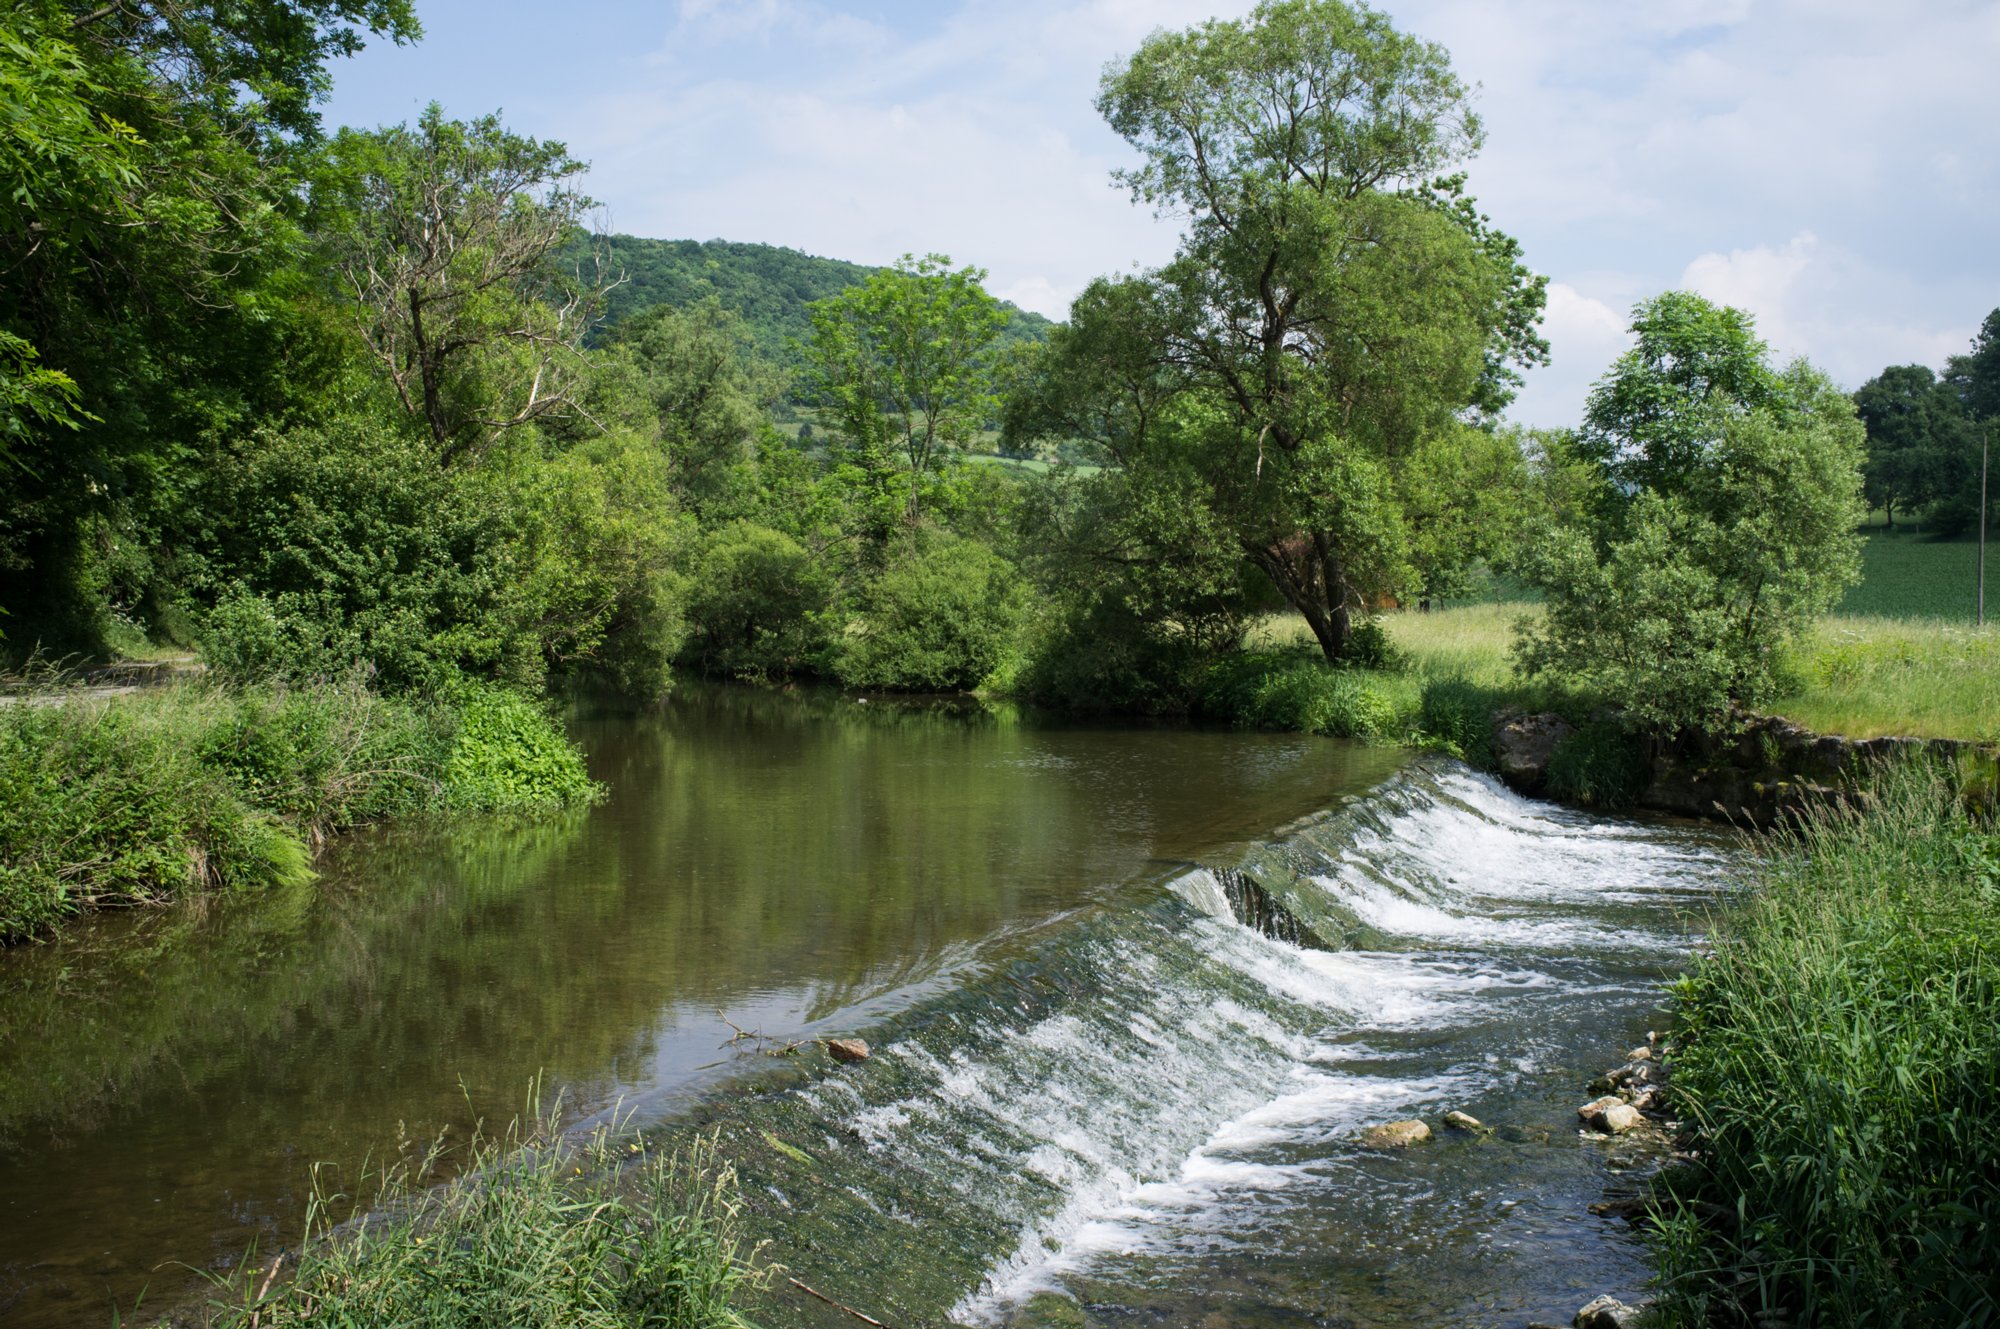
1833,166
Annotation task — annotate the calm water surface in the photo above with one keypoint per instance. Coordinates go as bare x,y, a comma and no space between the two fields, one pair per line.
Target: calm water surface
794,863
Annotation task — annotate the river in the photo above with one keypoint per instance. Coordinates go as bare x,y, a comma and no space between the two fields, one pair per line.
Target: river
1131,988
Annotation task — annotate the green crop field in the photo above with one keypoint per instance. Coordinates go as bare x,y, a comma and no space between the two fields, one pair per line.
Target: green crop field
1908,575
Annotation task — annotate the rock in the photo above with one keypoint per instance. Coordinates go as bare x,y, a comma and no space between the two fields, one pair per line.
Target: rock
1606,1313
1465,1121
1640,1054
847,1049
1396,1135
1613,1116
1523,744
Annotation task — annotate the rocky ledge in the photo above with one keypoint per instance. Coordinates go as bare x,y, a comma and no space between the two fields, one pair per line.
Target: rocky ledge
1767,771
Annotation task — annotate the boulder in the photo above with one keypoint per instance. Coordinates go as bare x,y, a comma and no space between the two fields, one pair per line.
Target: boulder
847,1049
1396,1135
1607,1313
1523,744
1465,1121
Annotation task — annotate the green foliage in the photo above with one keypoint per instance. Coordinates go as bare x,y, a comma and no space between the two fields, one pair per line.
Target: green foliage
145,799
768,288
1457,716
535,1231
508,755
345,546
1835,1055
903,367
941,618
1679,563
760,604
1285,368
1922,448
1601,765
1299,691
449,237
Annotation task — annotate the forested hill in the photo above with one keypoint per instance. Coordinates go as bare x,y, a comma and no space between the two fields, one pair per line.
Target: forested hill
769,287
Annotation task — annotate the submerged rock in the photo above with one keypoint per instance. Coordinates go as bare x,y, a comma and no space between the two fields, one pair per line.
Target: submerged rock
1396,1135
1607,1313
847,1049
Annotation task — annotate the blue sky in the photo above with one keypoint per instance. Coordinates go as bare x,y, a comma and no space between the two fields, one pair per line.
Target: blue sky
1832,166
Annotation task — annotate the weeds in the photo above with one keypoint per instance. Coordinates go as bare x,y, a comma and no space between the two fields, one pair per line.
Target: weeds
535,1231
1838,1059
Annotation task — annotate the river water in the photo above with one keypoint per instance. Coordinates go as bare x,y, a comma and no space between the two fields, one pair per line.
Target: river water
1132,990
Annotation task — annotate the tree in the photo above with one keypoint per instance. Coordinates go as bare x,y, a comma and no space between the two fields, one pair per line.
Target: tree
1335,307
1703,519
150,160
450,238
1919,439
903,366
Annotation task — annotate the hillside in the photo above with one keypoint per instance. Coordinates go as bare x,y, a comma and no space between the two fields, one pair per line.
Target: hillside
769,287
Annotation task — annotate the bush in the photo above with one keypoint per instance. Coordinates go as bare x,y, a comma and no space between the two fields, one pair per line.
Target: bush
114,805
1457,716
1297,690
536,1232
1102,657
941,619
759,605
507,754
1838,1058
143,799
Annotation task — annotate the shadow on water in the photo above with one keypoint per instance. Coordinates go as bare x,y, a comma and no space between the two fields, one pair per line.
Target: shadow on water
802,862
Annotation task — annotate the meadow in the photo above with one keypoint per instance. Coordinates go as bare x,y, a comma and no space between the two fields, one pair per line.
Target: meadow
1900,656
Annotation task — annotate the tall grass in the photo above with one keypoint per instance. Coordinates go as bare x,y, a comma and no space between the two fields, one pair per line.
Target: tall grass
1867,677
534,1232
140,799
1838,1057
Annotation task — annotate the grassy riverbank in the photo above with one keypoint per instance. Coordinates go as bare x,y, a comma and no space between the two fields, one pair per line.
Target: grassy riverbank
1838,1057
140,799
534,1231
1861,677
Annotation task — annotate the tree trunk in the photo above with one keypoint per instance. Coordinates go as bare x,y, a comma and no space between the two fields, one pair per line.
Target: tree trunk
1309,575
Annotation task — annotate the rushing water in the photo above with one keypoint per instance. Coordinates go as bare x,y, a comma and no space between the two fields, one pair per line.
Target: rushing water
1132,990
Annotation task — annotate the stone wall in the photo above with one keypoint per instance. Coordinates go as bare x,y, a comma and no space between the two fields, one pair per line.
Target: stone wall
1768,771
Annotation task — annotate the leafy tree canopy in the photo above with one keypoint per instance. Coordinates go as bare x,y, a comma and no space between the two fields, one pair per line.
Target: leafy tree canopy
1335,308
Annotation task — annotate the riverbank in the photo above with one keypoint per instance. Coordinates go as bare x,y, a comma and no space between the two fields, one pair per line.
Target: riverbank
1834,1057
109,802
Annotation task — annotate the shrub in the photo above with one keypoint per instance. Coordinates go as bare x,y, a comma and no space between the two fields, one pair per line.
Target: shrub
1458,716
940,619
759,605
508,754
1837,1056
112,804
1297,690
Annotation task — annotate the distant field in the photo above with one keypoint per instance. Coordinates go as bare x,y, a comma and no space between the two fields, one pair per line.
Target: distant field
1907,575
1024,465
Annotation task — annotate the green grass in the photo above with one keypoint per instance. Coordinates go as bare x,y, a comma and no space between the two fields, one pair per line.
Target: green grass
535,1232
145,798
1838,1056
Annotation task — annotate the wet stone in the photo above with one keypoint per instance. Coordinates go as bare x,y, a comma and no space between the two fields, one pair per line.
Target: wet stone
1607,1313
847,1049
1465,1121
1395,1135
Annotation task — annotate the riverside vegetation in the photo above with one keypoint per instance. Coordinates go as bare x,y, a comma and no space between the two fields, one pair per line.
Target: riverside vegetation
346,414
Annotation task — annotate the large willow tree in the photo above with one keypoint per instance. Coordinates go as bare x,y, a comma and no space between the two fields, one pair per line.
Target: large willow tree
1335,316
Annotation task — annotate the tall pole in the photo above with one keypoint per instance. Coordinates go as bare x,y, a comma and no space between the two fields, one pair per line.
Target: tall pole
1985,453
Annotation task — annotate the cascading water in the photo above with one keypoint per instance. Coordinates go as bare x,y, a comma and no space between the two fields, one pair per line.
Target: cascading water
1149,1107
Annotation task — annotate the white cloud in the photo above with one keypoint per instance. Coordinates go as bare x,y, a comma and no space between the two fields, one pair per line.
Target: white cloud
1831,164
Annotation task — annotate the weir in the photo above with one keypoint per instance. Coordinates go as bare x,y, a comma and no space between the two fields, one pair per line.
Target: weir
1148,1107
